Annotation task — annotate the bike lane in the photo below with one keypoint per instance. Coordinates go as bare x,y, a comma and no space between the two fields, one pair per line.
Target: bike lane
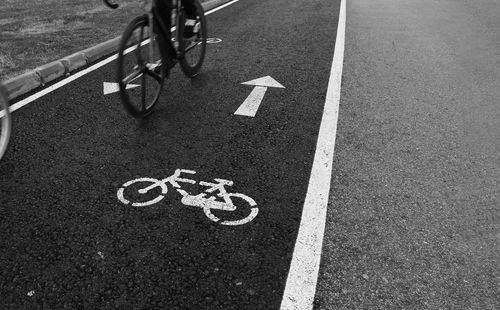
70,241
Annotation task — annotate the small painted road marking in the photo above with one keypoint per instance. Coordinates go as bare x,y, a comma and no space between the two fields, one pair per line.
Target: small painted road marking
109,88
213,40
144,187
250,106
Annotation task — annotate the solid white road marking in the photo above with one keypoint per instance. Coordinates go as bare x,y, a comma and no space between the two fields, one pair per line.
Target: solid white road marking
109,88
250,106
220,7
303,275
96,66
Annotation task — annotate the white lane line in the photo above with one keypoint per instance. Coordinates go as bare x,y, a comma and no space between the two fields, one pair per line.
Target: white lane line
61,83
79,74
70,79
220,7
303,275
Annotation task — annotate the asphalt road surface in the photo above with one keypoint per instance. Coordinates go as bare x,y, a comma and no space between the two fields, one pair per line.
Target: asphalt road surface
413,214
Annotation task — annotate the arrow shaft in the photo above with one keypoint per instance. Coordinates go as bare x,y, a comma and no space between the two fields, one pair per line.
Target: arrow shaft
250,106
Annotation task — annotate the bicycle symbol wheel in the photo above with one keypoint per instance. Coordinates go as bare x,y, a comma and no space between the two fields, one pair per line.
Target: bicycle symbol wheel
139,189
248,213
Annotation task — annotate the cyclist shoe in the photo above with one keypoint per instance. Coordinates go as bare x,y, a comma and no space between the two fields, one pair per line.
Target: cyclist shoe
190,29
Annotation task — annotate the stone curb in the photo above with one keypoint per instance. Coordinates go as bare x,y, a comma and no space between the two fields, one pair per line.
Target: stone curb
47,73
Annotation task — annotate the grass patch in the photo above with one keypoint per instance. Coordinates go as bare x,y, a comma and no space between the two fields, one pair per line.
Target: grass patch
35,32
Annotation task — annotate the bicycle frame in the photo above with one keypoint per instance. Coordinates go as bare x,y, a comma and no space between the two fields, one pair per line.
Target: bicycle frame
154,14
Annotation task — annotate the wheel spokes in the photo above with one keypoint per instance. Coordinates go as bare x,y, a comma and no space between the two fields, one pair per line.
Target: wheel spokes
131,77
153,74
144,92
192,45
138,48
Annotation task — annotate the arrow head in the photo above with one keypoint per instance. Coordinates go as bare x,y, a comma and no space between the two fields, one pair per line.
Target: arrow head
265,81
109,88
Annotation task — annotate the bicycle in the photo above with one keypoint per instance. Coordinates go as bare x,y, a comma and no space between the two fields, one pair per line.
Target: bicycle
5,122
165,47
143,192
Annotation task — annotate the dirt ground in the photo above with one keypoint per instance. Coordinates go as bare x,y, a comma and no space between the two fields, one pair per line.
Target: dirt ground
36,32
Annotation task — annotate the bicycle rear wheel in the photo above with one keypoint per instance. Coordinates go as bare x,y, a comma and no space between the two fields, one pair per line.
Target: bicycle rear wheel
194,49
140,71
5,122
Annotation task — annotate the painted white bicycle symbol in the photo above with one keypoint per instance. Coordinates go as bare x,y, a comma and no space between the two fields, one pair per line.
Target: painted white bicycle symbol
143,186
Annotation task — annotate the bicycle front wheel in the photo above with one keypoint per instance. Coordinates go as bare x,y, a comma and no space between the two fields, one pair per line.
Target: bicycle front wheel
142,192
5,122
194,49
140,71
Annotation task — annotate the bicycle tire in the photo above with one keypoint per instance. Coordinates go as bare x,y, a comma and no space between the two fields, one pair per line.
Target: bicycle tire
133,42
193,50
5,122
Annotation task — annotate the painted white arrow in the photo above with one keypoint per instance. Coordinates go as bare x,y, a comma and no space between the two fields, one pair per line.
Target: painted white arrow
250,106
110,88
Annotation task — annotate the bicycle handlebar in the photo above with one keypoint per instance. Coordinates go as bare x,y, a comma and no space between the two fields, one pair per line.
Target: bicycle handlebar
110,5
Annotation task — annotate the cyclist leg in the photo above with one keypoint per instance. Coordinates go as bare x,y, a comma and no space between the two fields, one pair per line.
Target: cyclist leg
190,8
165,8
166,5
